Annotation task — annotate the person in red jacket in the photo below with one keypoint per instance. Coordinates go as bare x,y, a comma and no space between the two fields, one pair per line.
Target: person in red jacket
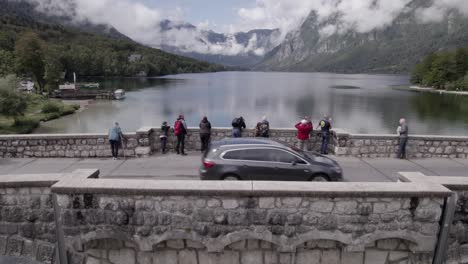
303,133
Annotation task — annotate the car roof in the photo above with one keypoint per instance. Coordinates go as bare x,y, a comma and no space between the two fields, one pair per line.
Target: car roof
245,141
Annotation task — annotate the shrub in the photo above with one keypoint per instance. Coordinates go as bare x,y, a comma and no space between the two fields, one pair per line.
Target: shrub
51,107
26,125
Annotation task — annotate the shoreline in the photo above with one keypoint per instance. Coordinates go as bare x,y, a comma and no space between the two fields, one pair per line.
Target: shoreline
422,89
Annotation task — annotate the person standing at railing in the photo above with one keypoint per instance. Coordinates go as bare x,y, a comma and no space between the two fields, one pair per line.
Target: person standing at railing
304,128
325,126
164,134
263,128
180,130
403,132
205,133
115,139
238,124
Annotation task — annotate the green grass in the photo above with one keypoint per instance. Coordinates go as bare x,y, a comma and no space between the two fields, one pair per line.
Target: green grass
34,115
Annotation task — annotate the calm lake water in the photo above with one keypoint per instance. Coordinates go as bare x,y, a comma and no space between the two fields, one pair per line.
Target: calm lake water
358,103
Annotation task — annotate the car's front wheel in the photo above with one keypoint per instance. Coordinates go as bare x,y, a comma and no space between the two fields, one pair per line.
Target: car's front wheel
231,177
320,178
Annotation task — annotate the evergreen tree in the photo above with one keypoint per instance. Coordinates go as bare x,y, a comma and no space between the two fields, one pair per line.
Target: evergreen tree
461,62
30,53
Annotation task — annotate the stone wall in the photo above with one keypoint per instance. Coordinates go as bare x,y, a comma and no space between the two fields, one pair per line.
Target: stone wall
384,146
457,251
71,145
283,135
27,222
138,221
146,141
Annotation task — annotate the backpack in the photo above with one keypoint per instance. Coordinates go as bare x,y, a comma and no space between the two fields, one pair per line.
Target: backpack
236,122
178,127
263,129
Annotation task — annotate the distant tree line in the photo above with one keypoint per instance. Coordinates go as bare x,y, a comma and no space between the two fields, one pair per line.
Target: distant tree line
44,52
443,70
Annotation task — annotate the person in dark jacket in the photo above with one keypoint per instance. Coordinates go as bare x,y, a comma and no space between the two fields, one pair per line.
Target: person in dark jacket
263,128
237,125
403,132
164,134
325,127
205,133
180,130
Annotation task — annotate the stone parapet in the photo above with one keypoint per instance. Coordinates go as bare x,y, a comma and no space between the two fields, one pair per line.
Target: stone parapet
146,141
143,221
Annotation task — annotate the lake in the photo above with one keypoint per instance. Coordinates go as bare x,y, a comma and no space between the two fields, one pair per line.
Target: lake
358,103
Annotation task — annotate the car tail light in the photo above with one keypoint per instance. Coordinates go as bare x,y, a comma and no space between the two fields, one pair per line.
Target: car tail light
208,164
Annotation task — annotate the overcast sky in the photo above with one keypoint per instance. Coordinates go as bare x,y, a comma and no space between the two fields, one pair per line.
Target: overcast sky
139,19
218,13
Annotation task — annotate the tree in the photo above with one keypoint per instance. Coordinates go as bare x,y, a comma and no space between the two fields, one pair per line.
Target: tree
30,53
461,62
6,62
421,70
12,104
53,66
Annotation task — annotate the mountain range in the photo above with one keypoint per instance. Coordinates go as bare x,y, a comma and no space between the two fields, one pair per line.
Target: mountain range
243,49
394,48
391,48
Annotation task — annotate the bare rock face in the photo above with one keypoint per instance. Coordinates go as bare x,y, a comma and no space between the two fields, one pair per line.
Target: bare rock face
331,45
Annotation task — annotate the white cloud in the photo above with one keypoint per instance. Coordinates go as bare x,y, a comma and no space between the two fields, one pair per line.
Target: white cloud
141,22
440,8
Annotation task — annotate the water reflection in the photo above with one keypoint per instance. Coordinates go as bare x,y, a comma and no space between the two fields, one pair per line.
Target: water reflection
283,97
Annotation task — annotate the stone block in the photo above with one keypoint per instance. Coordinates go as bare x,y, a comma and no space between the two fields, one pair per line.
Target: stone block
291,202
165,257
212,203
332,256
252,244
286,258
239,245
308,257
209,258
373,256
352,258
230,257
400,256
252,257
14,246
322,206
230,204
266,202
271,257
3,243
93,260
122,256
175,243
346,207
187,257
388,244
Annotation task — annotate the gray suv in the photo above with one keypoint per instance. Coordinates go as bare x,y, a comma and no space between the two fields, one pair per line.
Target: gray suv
265,160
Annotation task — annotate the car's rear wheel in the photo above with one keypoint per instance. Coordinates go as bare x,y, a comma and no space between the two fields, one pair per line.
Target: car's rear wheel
320,178
231,177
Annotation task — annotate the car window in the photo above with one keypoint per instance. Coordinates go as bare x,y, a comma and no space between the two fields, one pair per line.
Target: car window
285,157
255,154
233,155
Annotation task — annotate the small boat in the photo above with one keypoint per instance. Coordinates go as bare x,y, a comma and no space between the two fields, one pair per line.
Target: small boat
90,85
119,94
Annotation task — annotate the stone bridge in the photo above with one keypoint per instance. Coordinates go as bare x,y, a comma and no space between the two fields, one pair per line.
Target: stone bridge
78,217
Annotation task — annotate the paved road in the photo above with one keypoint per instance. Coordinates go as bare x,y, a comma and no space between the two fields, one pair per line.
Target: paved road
171,167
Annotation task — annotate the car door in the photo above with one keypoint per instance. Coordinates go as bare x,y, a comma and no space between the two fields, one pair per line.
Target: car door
289,167
258,164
